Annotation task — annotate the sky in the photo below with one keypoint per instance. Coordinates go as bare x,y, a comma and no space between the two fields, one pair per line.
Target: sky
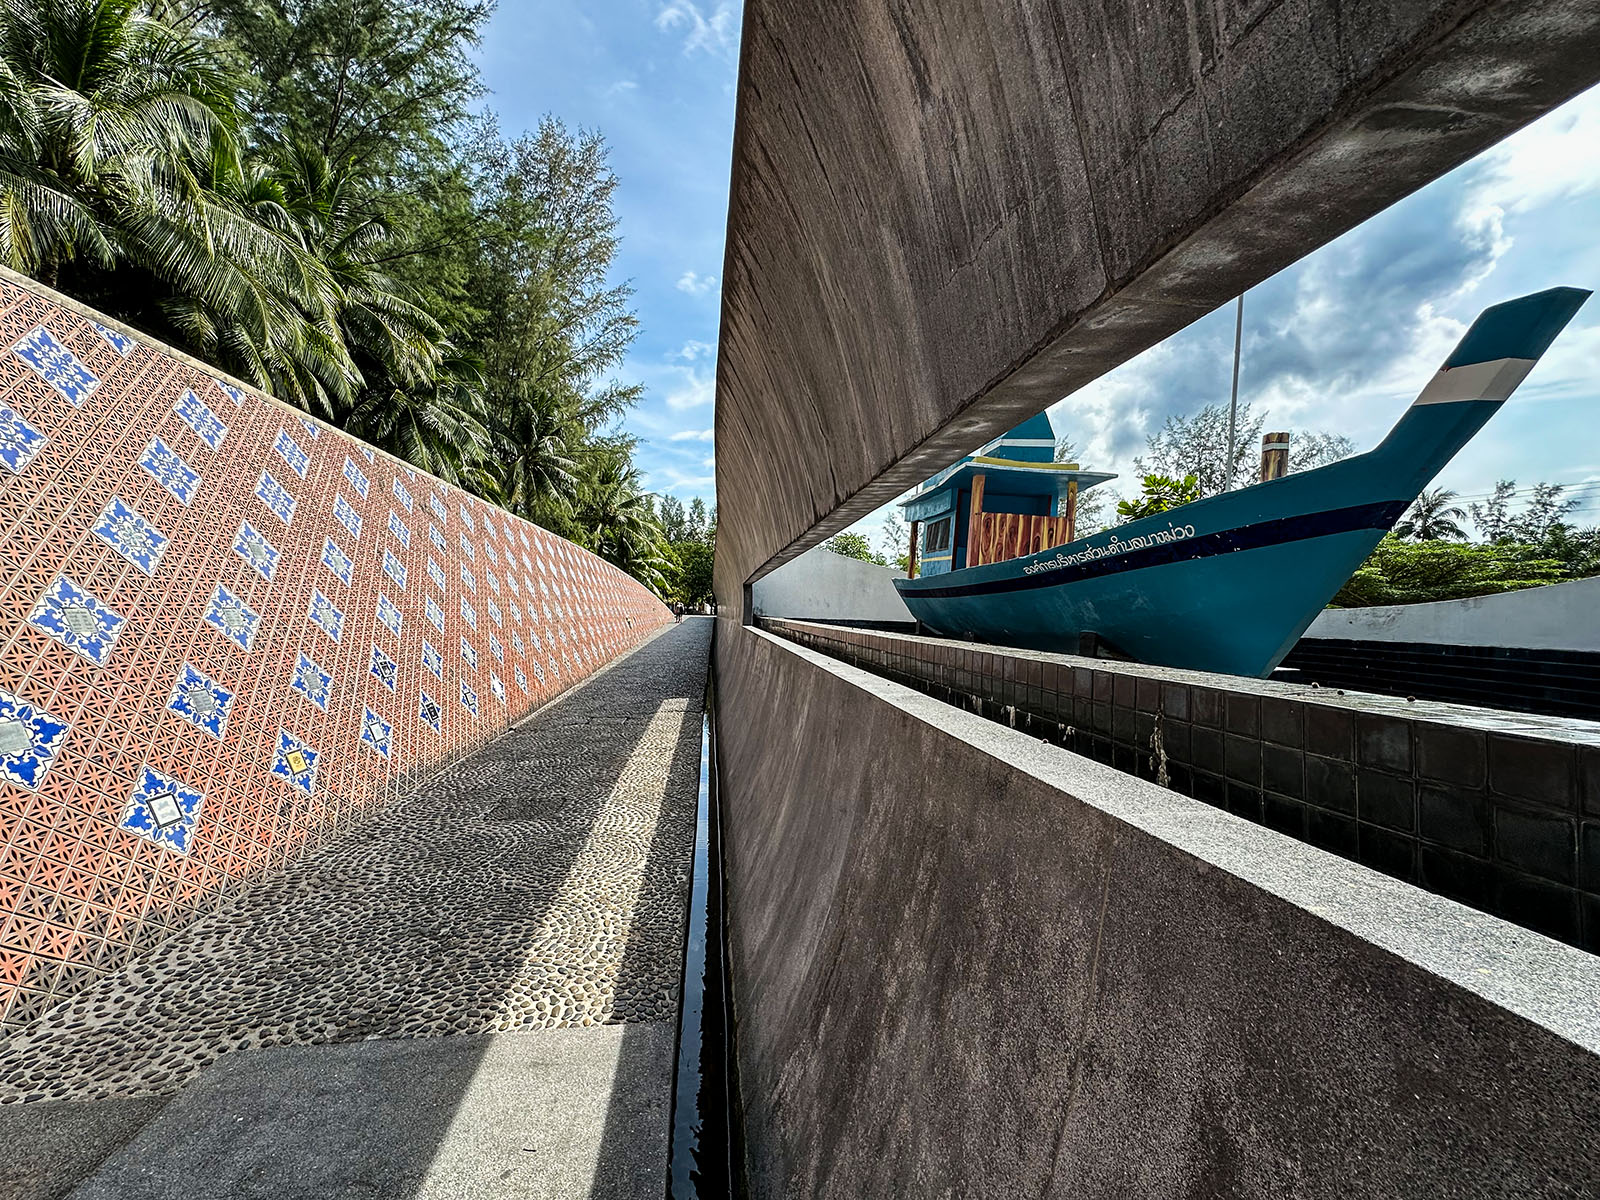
1342,340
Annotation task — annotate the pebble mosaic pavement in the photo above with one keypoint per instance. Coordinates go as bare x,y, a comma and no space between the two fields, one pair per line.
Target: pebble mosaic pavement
541,882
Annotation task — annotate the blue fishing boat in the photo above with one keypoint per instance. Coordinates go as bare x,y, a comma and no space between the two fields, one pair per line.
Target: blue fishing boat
1227,583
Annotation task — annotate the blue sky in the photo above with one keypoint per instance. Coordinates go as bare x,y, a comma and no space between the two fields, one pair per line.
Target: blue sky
1342,340
656,77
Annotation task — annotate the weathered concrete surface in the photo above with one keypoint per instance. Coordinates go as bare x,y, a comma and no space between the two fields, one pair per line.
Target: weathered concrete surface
945,216
556,1114
49,1148
1558,617
824,586
969,963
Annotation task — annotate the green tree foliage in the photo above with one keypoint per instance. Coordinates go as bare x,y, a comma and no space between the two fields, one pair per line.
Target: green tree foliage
1401,572
292,190
853,545
691,544
1432,517
1091,511
1161,493
1198,445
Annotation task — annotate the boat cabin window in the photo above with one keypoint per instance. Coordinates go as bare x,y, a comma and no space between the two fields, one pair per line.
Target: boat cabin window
937,537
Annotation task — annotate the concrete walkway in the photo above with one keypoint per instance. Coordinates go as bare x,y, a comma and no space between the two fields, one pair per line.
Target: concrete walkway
473,995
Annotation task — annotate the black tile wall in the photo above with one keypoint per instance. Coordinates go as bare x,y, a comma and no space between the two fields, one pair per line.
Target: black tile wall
1506,822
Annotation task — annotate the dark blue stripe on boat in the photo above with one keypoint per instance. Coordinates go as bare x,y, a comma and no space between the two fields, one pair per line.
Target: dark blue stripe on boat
1227,541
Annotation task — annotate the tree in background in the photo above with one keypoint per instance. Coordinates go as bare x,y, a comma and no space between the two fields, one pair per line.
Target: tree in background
691,545
896,542
1432,517
1160,493
853,545
1091,507
1198,445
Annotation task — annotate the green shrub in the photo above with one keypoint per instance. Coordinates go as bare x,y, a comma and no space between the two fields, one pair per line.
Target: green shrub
1401,572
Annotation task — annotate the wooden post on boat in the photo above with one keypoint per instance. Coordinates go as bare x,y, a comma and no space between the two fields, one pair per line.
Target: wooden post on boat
911,558
1274,456
1072,509
975,524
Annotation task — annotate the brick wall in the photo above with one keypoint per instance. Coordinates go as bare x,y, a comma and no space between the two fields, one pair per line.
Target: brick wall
227,630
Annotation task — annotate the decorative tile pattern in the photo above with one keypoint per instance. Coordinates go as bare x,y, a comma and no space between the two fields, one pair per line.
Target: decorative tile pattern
468,581
289,450
498,688
337,561
205,423
347,516
384,668
278,501
311,681
295,762
19,441
469,698
357,478
79,621
376,733
168,469
202,701
494,610
252,546
130,535
163,809
56,365
468,615
469,654
325,615
236,619
29,741
466,547
135,571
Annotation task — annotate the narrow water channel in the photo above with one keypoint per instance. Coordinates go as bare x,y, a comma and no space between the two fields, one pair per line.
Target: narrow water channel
705,1156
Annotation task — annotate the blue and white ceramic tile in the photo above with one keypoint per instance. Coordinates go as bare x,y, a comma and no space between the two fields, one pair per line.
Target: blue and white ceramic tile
347,516
163,809
467,615
376,733
231,392
494,610
236,619
311,681
122,528
290,451
388,614
432,659
522,680
168,469
357,478
466,518
488,547
467,580
398,528
469,698
366,452
205,423
310,427
201,700
56,365
468,654
498,688
337,561
429,712
295,762
325,616
492,581
437,538
402,495
436,573
394,569
516,644
434,613
30,738
78,620
496,649
511,582
466,547
516,613
538,671
252,546
438,509
19,441
120,342
384,668
278,501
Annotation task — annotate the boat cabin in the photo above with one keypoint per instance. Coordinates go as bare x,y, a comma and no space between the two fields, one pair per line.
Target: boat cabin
1007,499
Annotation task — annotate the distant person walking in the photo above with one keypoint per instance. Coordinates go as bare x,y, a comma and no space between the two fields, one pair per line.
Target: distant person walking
677,613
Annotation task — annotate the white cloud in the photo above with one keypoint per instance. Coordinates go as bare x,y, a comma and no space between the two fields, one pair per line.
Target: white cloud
693,350
696,284
691,435
716,34
621,87
694,389
1551,159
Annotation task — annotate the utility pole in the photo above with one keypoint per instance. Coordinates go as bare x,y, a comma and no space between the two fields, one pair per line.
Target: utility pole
1233,403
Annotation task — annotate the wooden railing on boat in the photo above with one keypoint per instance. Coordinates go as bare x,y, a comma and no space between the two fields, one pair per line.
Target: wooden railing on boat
999,536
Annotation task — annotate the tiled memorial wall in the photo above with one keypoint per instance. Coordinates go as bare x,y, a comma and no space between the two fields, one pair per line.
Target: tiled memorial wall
225,631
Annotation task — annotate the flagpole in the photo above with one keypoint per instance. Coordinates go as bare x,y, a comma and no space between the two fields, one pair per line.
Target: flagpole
1233,402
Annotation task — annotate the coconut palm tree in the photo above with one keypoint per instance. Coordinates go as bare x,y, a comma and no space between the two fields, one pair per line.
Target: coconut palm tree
617,518
1433,518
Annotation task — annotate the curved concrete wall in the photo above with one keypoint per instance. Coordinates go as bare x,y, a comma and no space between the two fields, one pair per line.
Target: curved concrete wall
946,216
225,632
1563,616
826,586
969,963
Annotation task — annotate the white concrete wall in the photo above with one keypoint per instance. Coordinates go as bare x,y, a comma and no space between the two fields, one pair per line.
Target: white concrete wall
825,586
1562,616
